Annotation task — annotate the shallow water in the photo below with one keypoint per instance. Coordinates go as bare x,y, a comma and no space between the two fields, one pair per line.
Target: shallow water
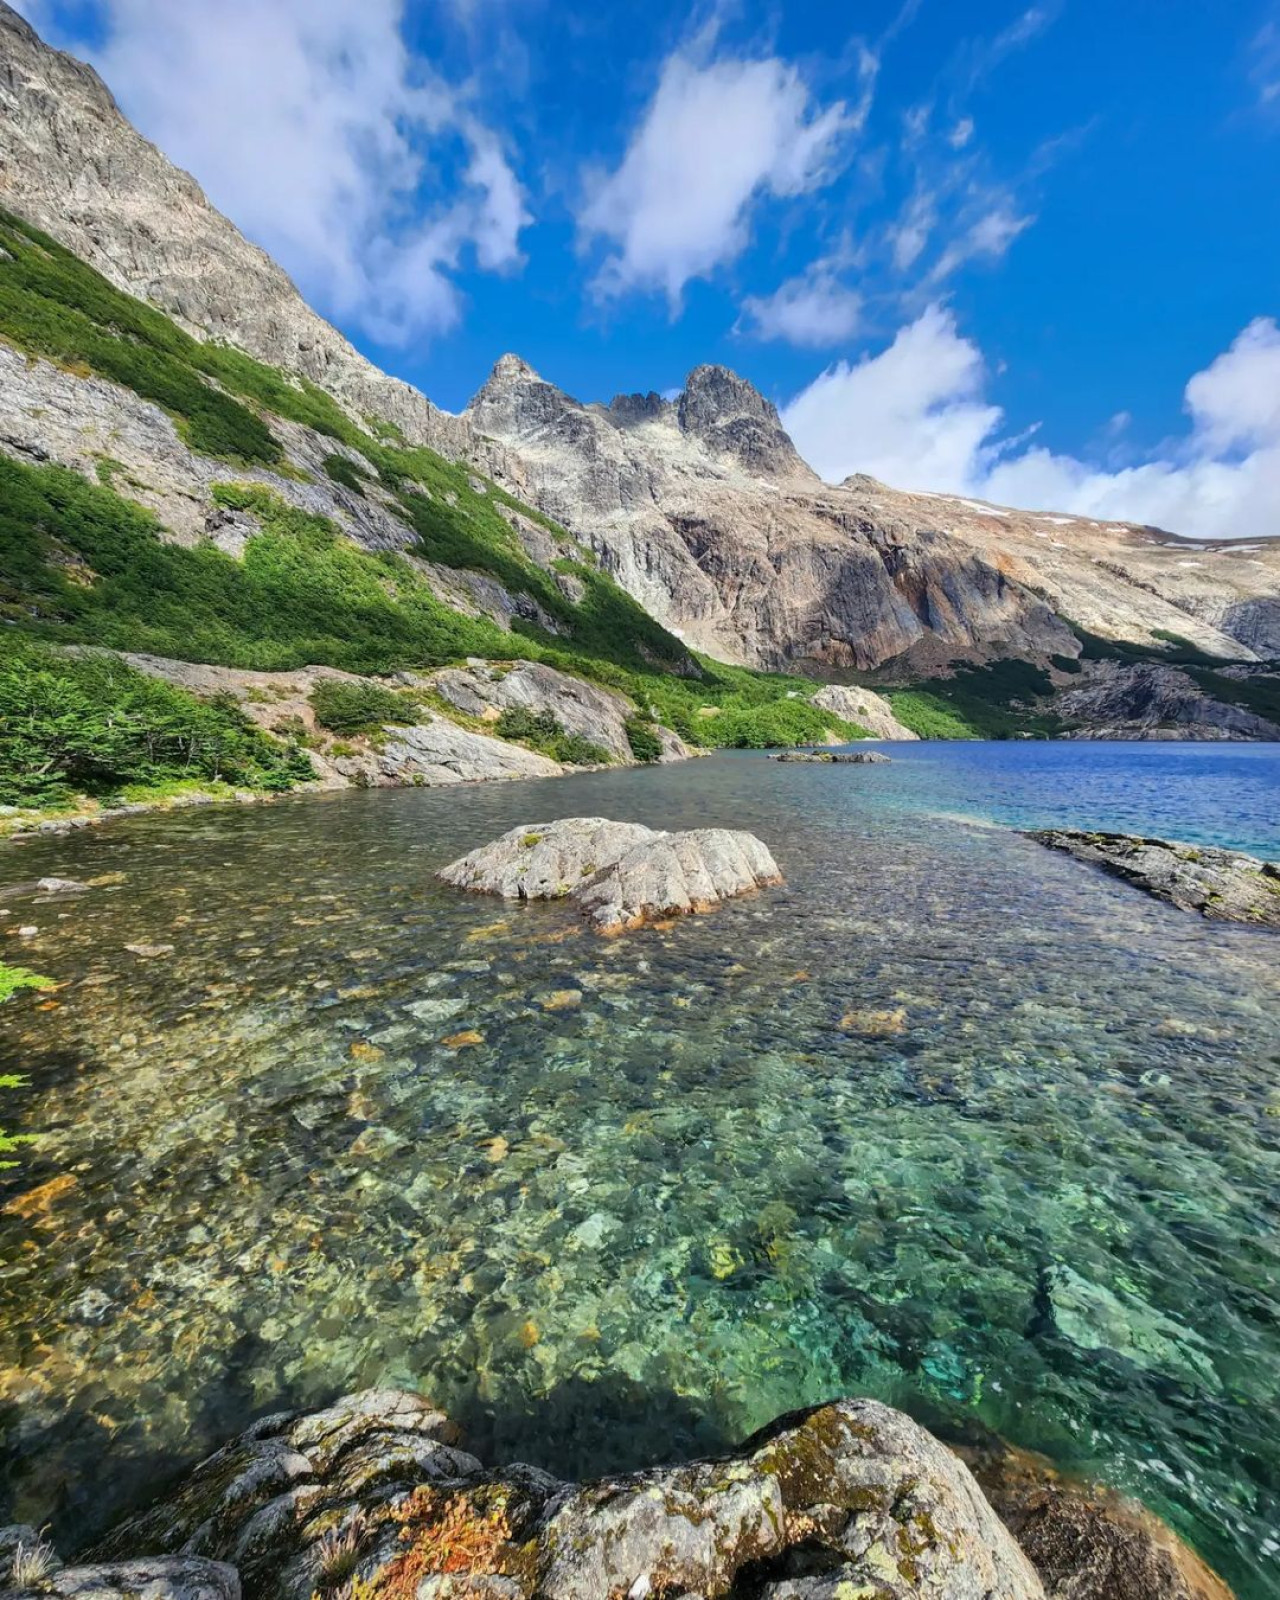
950,1119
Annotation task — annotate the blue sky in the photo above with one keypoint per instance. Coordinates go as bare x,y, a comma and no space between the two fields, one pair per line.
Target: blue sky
980,247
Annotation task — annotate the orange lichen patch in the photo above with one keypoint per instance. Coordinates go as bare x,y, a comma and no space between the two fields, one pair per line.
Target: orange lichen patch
38,1202
799,977
664,926
497,1149
460,1041
361,1050
529,1334
875,1024
491,930
558,937
445,1534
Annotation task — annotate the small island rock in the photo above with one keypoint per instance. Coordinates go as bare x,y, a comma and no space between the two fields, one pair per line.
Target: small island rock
620,874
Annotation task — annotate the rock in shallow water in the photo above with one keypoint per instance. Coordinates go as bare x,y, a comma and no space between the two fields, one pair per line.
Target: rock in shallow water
621,875
851,1499
1220,884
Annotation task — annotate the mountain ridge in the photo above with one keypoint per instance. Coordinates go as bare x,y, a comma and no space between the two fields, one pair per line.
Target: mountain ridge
697,506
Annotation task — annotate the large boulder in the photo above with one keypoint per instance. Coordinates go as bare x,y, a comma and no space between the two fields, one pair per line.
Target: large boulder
870,711
1222,885
847,1499
619,874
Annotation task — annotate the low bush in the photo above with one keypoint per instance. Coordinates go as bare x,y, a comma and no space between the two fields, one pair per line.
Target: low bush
93,726
344,707
644,741
542,731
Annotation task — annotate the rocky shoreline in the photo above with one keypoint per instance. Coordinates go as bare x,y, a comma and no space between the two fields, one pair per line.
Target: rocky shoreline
377,1498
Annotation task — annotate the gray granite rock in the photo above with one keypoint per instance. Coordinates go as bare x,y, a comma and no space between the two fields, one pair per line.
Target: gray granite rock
869,710
1222,885
619,874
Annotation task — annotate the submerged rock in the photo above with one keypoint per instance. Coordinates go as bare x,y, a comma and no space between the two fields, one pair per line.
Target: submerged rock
620,874
1223,885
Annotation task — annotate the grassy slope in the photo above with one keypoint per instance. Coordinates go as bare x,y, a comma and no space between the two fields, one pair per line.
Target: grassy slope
81,564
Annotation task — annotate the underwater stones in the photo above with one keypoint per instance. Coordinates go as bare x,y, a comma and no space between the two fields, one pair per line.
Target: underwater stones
1222,885
621,875
61,886
149,952
1086,1542
432,1011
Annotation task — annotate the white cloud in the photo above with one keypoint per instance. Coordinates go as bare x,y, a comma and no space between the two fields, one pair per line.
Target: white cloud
310,124
985,239
814,309
1265,69
961,134
717,137
915,415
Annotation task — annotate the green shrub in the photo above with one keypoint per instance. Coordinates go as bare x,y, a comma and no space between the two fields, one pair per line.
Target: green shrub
344,707
343,470
644,742
783,722
543,731
94,726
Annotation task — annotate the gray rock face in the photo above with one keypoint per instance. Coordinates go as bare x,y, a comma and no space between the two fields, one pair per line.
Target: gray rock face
1156,702
439,752
70,163
704,512
593,713
621,875
1220,884
869,710
153,1578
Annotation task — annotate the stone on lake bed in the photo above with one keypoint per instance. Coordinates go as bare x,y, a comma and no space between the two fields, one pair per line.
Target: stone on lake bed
620,874
1222,885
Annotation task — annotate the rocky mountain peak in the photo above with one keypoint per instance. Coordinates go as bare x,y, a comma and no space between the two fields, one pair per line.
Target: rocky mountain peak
731,417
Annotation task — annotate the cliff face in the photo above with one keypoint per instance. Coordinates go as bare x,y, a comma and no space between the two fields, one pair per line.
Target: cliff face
703,509
72,164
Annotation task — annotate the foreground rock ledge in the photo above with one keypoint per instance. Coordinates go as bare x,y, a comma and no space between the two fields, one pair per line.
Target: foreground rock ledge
1220,884
373,1498
620,874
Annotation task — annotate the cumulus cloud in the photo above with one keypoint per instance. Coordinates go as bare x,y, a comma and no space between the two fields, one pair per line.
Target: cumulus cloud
311,125
816,308
916,416
913,415
717,137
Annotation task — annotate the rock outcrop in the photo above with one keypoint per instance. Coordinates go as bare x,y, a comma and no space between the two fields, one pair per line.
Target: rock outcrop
1155,702
864,707
852,758
702,509
374,1496
619,874
1223,885
598,715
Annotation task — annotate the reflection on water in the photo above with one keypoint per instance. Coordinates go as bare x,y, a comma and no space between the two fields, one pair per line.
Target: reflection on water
950,1120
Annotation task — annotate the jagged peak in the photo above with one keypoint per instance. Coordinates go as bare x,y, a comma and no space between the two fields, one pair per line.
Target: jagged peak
730,415
511,368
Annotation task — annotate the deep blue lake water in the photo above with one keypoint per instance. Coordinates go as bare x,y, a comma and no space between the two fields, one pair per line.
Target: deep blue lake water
950,1119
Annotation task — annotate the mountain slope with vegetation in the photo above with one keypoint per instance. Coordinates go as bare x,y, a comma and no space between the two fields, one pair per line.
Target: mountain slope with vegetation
164,495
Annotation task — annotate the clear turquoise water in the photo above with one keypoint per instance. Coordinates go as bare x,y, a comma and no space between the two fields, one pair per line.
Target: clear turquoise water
728,1180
